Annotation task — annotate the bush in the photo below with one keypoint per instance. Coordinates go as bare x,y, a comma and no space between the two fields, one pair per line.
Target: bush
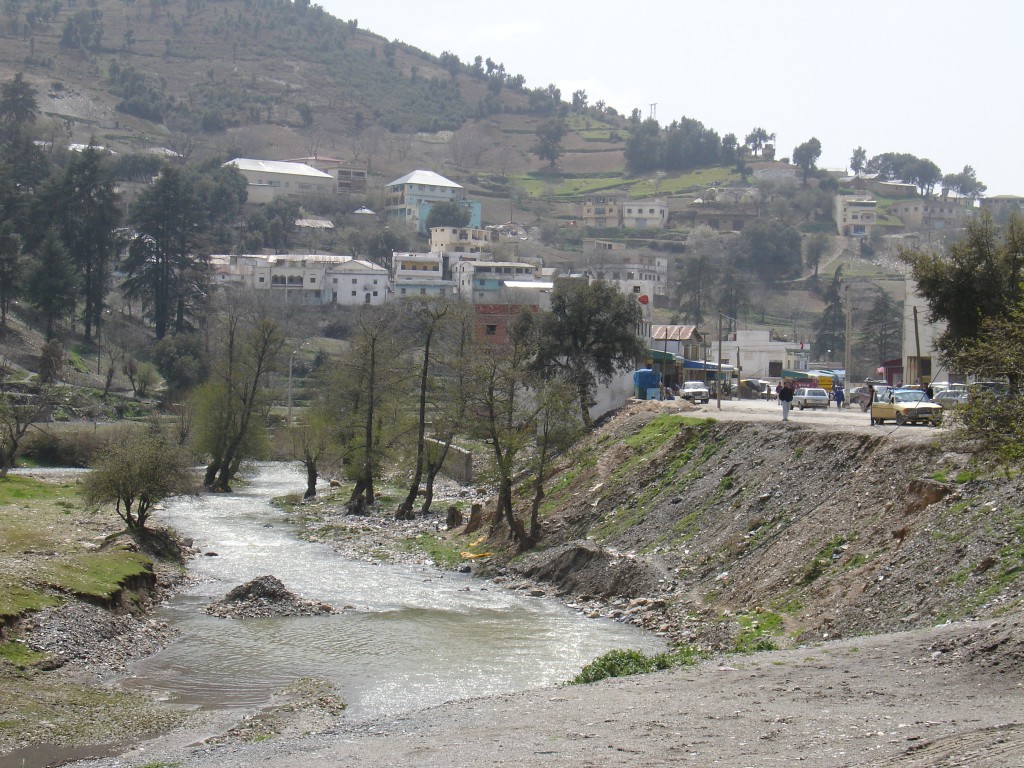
71,446
620,663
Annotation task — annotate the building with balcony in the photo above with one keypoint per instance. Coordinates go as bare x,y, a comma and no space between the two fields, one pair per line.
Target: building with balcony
306,279
409,199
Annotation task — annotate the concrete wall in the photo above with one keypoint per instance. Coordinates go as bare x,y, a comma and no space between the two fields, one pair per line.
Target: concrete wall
458,463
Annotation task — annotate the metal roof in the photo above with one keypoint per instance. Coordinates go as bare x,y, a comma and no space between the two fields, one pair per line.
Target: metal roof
277,166
428,178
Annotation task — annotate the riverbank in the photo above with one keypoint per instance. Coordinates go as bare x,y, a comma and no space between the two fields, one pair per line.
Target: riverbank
919,699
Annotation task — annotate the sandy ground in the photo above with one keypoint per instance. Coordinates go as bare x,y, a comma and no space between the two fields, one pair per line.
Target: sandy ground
924,698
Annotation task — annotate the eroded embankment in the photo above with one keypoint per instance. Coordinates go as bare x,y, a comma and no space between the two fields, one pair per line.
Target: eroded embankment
749,534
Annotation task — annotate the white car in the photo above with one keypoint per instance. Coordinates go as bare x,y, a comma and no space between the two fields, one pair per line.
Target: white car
695,391
810,397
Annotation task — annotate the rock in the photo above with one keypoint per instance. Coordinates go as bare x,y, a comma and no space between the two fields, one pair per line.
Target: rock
263,597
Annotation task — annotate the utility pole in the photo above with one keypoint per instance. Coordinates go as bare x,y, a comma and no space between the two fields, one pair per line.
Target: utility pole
718,373
849,331
653,110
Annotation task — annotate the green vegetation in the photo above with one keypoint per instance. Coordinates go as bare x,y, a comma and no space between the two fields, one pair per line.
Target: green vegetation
621,663
756,632
99,575
19,654
822,560
444,554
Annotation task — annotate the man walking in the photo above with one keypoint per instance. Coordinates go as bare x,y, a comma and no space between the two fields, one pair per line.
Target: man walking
871,399
786,398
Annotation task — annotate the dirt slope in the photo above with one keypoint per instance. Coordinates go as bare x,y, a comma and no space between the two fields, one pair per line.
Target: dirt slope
752,533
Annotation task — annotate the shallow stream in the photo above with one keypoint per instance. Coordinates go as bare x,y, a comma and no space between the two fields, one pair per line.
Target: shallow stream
414,636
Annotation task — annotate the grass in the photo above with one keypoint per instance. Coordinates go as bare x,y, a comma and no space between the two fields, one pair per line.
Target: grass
40,517
756,632
440,551
622,663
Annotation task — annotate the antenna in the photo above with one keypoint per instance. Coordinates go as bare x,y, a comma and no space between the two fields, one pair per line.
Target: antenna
653,110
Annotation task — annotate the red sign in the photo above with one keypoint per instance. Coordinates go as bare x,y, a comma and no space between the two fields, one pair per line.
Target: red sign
643,299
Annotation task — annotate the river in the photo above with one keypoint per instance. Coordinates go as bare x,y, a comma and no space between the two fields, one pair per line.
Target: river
409,636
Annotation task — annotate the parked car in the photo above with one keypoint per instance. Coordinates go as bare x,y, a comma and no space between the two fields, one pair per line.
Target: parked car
810,397
906,406
860,395
951,398
695,391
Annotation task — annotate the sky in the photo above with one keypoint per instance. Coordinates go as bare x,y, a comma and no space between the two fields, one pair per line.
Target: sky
934,78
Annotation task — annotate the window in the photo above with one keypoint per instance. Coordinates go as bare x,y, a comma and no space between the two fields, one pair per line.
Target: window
353,282
353,293
402,291
335,280
262,279
492,330
312,280
636,289
423,292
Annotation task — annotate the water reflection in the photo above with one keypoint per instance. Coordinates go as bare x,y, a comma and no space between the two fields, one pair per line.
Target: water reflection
415,636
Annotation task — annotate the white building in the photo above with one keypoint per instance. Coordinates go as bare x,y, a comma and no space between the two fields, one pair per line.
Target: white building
645,214
464,240
410,198
855,214
306,279
421,274
756,356
481,282
268,179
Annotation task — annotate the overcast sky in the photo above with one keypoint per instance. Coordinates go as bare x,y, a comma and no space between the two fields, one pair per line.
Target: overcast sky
933,78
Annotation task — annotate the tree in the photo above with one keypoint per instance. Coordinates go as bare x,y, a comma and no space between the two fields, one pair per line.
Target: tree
135,471
367,399
166,263
589,333
858,160
979,277
806,156
925,174
248,342
815,247
558,426
579,100
18,105
882,331
757,139
499,398
18,412
447,214
700,268
12,270
549,140
965,184
82,203
771,248
645,148
830,327
52,285
429,318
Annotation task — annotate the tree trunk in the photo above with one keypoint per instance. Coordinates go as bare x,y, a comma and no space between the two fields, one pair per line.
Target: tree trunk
476,518
311,478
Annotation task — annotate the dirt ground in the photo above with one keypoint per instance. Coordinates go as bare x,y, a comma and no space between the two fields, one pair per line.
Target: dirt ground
927,698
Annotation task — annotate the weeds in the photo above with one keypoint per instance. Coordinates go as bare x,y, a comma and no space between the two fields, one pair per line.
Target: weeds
622,663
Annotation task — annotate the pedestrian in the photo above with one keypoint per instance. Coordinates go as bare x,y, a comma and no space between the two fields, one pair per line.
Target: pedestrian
930,392
786,398
871,399
839,396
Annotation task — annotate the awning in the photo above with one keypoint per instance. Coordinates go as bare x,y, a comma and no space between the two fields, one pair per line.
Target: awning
710,365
